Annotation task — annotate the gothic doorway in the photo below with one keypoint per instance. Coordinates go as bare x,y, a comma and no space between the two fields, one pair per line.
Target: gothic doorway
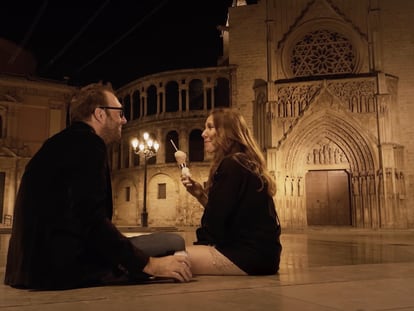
327,198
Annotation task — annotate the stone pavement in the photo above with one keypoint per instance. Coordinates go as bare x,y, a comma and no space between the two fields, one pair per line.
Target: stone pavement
321,269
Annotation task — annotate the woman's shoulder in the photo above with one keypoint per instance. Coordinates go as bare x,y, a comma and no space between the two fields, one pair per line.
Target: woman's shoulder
234,158
235,161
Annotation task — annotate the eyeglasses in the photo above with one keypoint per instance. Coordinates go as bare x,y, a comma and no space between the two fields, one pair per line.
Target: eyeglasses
121,110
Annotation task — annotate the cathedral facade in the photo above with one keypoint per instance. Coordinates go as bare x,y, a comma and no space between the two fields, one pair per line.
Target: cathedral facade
326,93
324,84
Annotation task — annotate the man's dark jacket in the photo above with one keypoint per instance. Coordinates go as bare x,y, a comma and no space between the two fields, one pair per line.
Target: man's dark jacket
62,234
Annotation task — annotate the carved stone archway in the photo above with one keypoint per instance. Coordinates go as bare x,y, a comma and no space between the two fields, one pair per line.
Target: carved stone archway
347,146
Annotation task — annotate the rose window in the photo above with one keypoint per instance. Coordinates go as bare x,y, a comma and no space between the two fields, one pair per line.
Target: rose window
322,52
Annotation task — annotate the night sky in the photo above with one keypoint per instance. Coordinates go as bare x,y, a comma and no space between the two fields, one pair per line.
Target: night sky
114,40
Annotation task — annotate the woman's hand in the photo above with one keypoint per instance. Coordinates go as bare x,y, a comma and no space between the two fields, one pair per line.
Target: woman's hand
195,189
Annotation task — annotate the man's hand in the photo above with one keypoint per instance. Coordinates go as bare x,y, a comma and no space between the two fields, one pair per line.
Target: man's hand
177,267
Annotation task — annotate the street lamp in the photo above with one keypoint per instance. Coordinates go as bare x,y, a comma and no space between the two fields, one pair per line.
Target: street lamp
147,148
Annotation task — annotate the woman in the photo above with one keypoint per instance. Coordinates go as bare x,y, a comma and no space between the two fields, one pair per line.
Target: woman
239,232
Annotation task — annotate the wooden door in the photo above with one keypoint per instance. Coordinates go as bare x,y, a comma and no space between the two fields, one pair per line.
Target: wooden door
327,198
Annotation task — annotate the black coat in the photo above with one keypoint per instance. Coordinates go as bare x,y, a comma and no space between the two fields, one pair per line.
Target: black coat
241,221
62,234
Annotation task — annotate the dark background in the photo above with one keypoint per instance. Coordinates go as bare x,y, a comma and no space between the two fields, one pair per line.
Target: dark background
114,40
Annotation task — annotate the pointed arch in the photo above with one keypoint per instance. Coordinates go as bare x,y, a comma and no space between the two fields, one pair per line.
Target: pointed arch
326,124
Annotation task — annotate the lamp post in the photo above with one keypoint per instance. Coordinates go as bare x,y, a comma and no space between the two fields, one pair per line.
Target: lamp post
147,148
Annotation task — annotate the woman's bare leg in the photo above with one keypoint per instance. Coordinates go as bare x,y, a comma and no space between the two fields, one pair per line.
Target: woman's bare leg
207,260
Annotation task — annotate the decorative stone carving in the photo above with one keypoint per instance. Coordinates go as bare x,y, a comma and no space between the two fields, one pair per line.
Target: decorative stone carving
326,152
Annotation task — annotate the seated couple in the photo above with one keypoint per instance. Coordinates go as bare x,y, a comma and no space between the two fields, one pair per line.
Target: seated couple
62,235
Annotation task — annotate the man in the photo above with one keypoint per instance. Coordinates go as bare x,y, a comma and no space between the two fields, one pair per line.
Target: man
62,234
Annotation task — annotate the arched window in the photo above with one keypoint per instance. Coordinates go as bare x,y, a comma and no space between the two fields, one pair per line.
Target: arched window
136,105
196,150
127,107
222,93
151,100
196,94
171,96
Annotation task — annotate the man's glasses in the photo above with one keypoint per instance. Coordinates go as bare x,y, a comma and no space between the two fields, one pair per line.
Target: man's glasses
121,110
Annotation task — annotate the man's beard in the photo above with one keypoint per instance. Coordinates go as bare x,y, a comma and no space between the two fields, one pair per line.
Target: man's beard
111,135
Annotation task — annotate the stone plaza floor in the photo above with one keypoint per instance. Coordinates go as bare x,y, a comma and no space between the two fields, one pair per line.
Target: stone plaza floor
321,269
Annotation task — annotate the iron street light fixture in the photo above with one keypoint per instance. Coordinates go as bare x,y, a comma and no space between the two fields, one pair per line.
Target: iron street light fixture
147,148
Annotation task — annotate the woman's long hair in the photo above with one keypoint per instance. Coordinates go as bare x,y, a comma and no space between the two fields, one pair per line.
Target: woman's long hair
233,137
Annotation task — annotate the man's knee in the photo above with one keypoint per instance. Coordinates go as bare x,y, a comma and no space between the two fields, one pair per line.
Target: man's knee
174,240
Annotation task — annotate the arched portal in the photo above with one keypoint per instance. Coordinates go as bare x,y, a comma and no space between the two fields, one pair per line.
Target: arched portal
323,140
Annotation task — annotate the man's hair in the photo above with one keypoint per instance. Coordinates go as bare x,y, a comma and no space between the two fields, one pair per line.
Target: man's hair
87,99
